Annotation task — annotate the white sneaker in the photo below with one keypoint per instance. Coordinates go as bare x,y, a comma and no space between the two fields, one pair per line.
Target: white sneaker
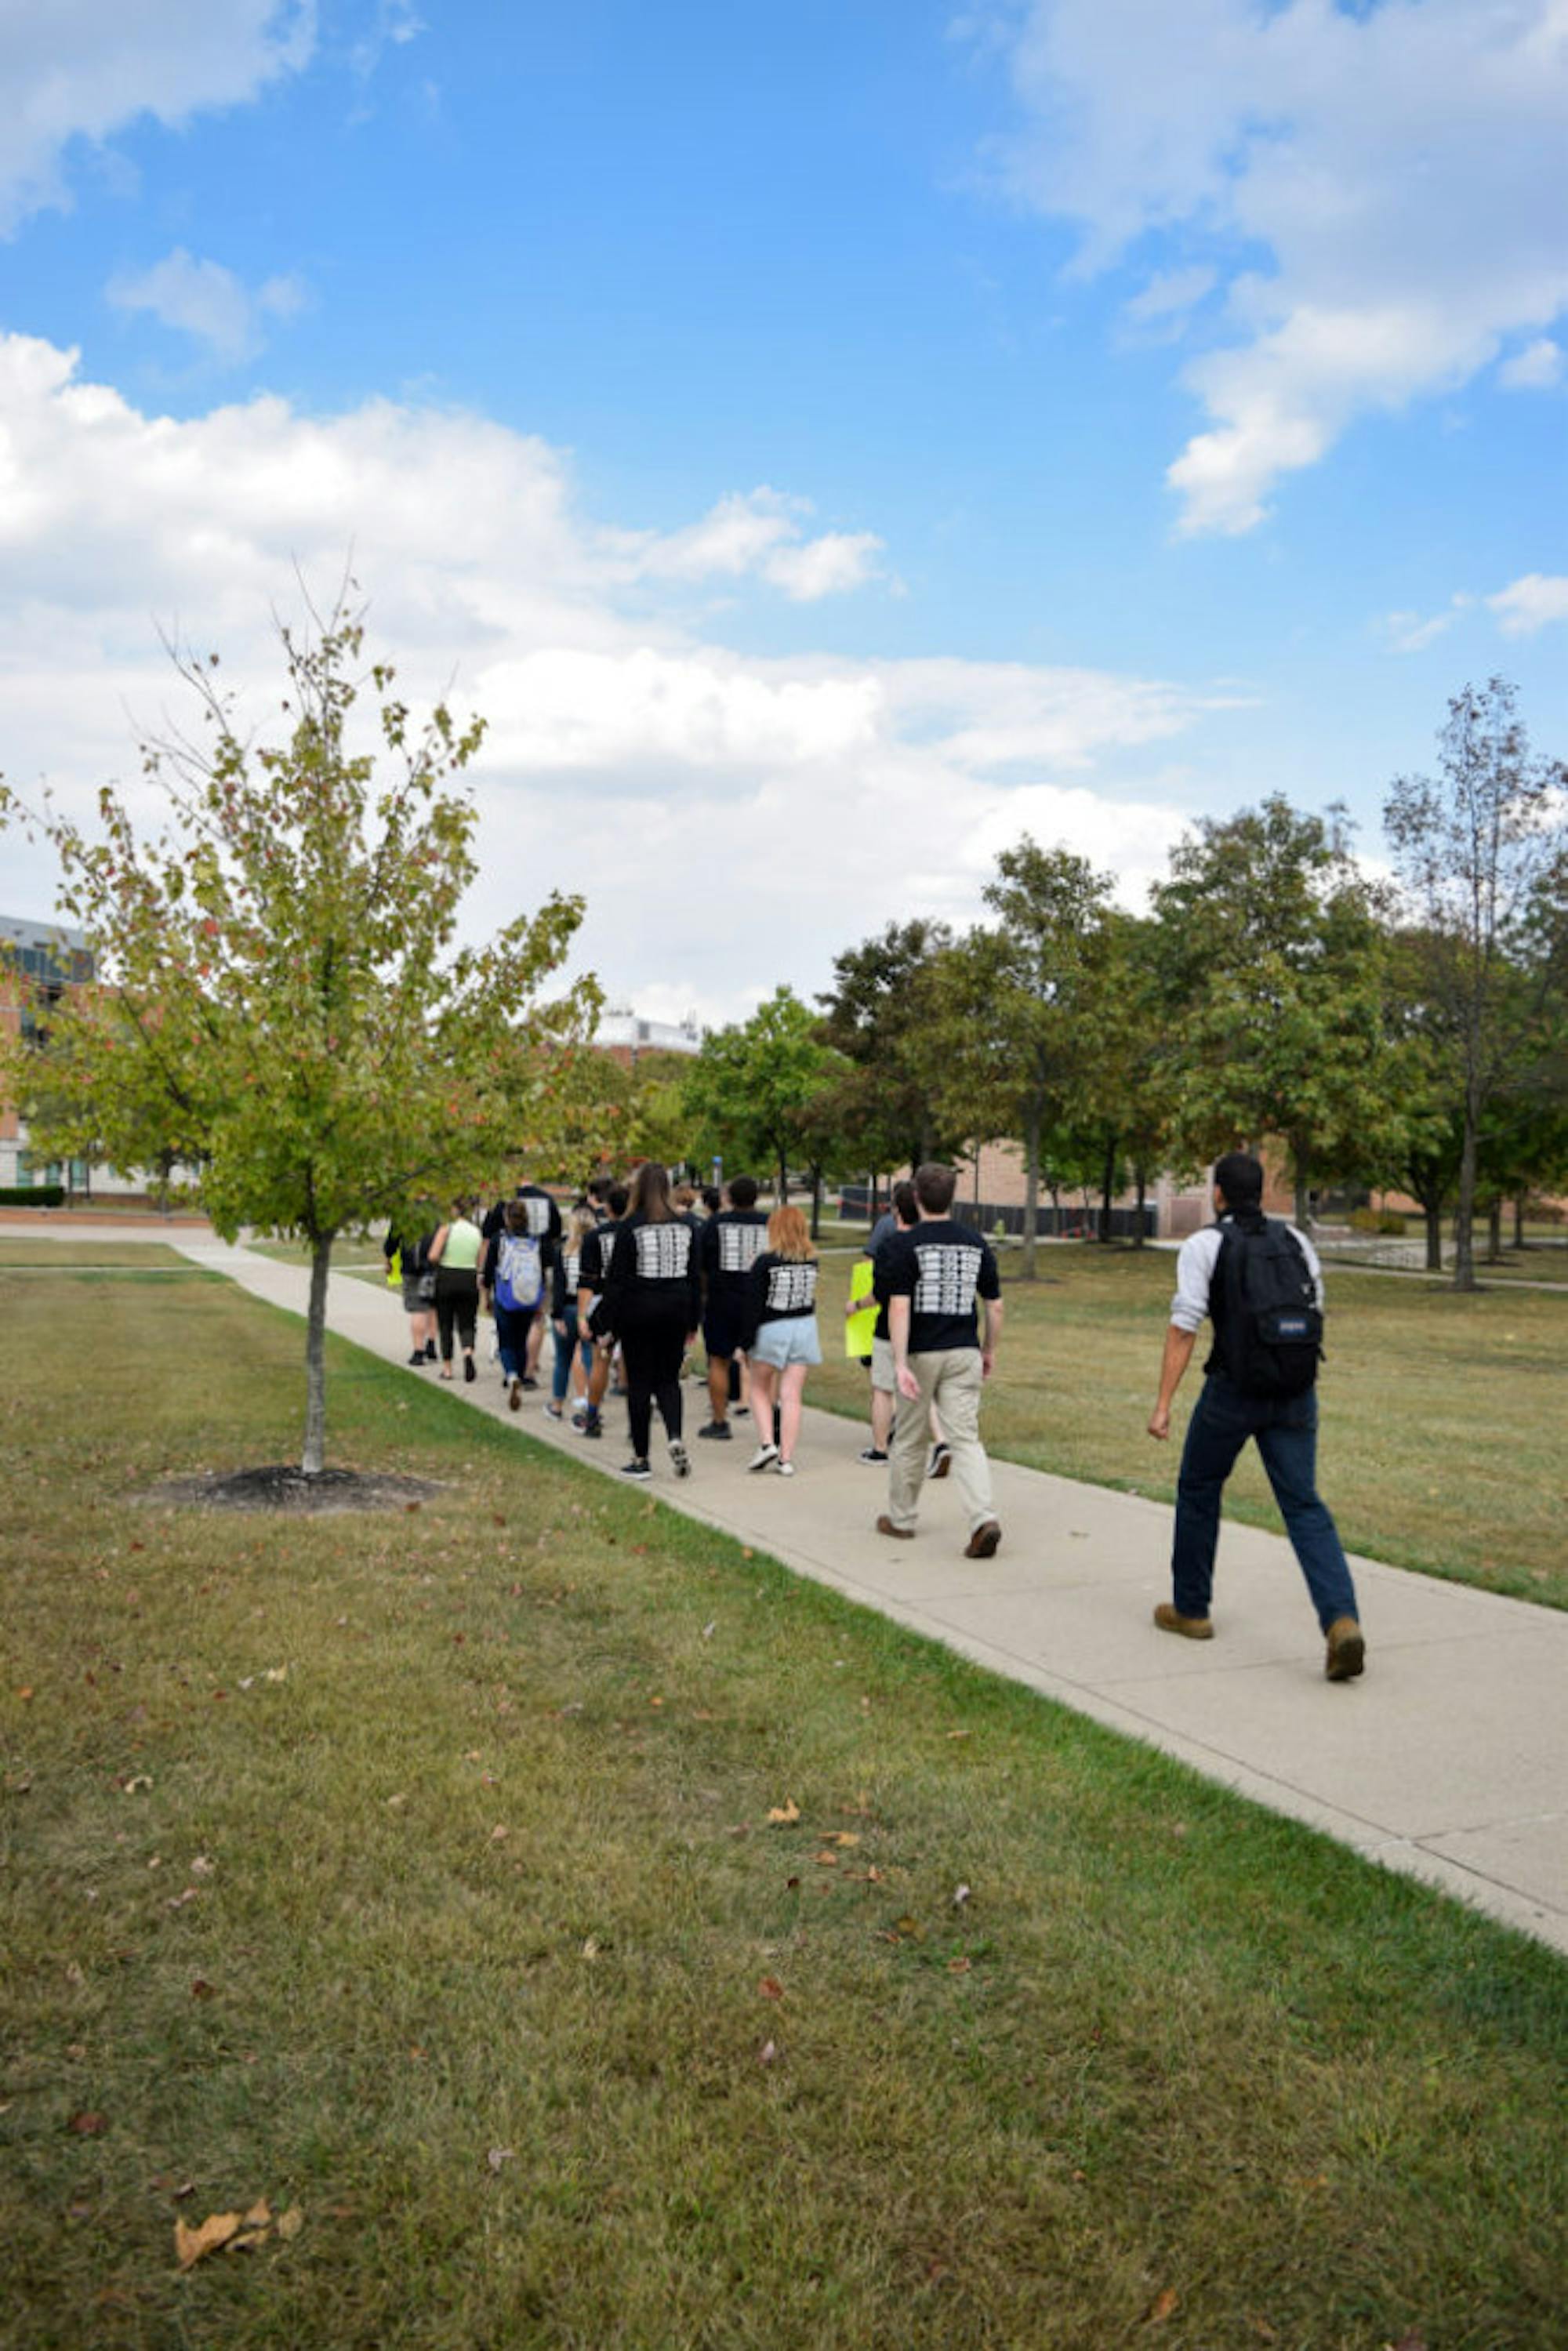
764,1457
680,1461
786,1469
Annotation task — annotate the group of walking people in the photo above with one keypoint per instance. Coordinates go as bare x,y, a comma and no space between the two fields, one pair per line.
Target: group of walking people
625,1281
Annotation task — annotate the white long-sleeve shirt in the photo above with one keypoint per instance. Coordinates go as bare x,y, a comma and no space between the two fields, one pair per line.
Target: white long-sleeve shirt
1195,1273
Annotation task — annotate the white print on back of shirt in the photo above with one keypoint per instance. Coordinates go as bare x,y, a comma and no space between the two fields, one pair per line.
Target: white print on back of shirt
573,1275
739,1246
792,1289
538,1217
664,1252
947,1279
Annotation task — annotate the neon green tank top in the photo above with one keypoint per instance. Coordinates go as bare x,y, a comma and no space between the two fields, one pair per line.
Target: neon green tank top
464,1242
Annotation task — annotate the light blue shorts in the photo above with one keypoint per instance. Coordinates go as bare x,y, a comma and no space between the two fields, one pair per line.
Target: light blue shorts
791,1340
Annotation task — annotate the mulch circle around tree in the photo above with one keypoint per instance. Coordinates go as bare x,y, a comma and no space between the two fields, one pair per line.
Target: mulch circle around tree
284,1485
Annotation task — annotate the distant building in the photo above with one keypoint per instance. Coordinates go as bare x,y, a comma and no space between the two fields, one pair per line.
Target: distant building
625,1034
39,961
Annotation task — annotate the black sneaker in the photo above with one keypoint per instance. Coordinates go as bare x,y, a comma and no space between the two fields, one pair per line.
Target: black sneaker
592,1425
430,1354
716,1429
419,1356
470,1371
530,1383
638,1469
941,1461
680,1459
872,1453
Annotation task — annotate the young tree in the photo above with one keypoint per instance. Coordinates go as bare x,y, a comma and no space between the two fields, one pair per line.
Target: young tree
279,995
1482,851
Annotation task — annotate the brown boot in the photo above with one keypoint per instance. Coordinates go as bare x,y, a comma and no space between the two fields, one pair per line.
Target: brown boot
1347,1651
1191,1628
982,1543
884,1526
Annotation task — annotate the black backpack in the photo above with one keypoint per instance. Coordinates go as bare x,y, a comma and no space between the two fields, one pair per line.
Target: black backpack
1270,1330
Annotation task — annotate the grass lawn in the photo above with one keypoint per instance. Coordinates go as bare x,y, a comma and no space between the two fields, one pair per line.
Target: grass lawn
66,1255
416,1874
1443,1417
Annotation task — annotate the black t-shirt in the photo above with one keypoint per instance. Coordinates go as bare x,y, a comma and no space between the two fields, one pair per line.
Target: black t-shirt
653,1269
942,1267
730,1244
780,1290
594,1271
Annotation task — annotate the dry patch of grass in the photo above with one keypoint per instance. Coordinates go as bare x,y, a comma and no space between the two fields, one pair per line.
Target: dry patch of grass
420,1875
1442,1417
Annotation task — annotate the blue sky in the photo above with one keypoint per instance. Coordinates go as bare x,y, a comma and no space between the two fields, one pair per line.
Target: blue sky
824,439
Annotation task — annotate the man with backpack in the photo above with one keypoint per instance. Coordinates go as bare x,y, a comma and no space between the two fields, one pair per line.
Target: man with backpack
1260,1283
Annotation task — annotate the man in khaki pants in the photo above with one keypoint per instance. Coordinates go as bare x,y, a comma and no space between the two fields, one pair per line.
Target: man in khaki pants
944,1319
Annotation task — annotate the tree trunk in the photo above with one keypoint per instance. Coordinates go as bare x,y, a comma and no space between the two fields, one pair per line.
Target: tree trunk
977,1183
783,1180
1519,1220
1031,1195
1464,1214
1107,1186
1140,1177
1433,1212
315,1454
1303,1208
1494,1232
815,1204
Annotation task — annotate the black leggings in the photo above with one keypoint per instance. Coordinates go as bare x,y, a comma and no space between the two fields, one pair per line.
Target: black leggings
456,1300
652,1348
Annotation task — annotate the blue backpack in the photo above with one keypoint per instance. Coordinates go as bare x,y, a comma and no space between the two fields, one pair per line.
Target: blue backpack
520,1273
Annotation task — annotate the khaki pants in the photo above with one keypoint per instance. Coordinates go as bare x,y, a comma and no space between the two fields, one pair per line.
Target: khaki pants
952,1381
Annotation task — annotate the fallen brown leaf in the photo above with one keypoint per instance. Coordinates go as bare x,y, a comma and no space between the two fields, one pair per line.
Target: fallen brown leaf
289,2223
260,2214
1162,2306
786,1814
88,2125
958,1967
828,1860
912,1930
771,1988
190,2244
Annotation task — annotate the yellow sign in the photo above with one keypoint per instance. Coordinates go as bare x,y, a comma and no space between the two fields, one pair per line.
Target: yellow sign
859,1329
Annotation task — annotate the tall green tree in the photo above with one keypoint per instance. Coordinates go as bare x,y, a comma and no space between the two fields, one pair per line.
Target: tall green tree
744,1094
1274,947
880,1016
1011,1009
1482,851
281,998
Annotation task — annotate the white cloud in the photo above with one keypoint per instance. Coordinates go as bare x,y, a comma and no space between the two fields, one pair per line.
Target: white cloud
1383,186
1528,604
727,815
1537,367
1169,297
1408,633
86,68
758,533
203,299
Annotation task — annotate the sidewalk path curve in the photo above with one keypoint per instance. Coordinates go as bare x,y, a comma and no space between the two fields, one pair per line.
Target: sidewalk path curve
1448,1761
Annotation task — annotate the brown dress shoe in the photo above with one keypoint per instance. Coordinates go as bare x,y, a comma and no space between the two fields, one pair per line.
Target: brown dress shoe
1347,1651
1191,1628
884,1526
982,1543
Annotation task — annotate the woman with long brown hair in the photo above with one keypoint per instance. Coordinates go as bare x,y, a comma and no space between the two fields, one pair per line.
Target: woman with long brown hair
782,1342
652,1302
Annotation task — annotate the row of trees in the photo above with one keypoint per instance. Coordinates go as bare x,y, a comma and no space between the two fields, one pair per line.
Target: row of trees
1407,1031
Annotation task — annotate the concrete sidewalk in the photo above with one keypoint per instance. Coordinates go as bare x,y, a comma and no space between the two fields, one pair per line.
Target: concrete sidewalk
1448,1761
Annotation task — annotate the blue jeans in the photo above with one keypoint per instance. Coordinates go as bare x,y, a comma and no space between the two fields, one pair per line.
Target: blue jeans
564,1343
1286,1428
512,1328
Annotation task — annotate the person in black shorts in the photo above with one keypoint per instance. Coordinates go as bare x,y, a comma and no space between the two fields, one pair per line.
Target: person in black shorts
729,1244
